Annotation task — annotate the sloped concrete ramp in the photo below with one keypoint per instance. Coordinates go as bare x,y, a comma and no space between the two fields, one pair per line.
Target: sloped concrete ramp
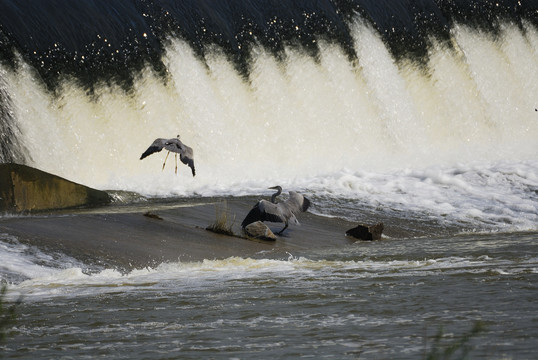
25,189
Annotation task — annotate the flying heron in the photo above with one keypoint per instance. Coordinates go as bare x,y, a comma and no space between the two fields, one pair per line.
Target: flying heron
177,147
278,212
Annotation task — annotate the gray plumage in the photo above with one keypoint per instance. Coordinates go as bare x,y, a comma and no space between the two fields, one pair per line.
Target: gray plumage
278,212
176,146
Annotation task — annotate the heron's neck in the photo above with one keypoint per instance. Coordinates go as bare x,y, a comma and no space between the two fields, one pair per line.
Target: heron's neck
273,198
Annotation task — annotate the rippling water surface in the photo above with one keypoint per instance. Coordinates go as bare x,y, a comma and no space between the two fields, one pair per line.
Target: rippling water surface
386,299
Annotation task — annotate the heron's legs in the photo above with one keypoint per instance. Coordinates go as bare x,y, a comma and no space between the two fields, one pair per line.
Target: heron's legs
281,231
164,163
176,163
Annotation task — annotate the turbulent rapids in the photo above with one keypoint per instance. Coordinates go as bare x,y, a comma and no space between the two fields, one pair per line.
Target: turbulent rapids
425,106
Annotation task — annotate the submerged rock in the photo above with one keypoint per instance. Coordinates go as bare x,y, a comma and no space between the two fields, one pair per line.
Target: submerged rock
25,189
152,215
366,232
259,230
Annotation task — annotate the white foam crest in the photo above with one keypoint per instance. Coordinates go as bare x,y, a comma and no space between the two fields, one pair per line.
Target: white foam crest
13,260
19,261
495,196
75,282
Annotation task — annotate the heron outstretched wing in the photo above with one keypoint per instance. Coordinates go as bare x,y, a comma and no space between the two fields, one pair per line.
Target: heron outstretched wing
298,203
263,211
187,158
157,146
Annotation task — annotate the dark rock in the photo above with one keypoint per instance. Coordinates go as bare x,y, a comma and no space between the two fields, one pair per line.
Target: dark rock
152,215
366,232
25,189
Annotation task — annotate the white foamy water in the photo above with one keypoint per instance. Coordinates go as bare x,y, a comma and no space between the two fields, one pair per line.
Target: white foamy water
463,256
19,262
501,196
455,139
53,282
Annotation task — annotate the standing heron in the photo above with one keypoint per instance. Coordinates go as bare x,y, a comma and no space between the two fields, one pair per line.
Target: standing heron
176,146
278,212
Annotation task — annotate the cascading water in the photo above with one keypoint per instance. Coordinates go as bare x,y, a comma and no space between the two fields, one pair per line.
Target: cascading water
341,98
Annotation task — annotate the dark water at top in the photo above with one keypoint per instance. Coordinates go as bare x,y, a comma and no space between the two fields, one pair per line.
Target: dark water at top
110,40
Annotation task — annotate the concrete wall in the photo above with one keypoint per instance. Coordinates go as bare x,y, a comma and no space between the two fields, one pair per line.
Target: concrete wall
25,189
